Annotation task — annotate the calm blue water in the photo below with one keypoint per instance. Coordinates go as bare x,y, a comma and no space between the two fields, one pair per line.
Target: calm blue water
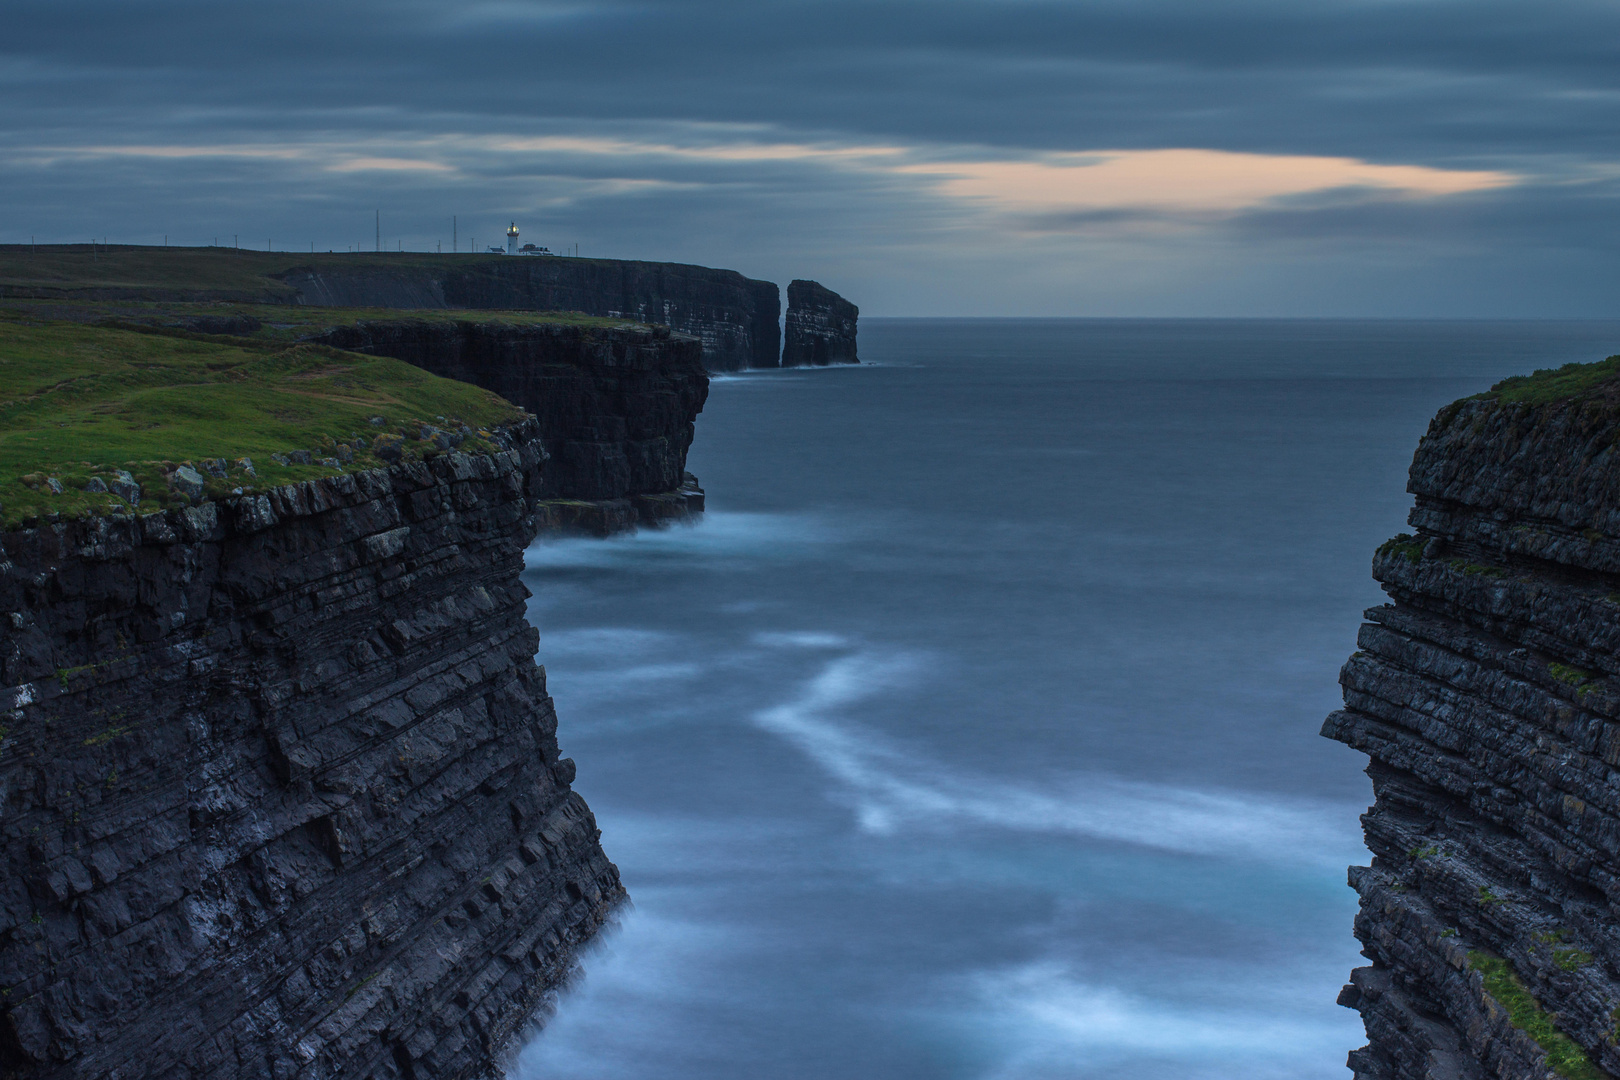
973,734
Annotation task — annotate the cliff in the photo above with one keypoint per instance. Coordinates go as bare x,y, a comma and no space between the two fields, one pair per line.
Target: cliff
617,407
819,328
617,402
733,316
1487,696
280,779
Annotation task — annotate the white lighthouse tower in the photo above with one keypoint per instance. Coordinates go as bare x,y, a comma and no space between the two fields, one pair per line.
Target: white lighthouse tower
511,239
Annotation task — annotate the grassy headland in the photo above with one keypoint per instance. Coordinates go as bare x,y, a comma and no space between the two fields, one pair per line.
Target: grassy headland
1557,384
278,322
87,410
203,273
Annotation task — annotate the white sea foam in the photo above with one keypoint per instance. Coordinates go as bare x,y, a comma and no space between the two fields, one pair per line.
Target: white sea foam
760,376
610,1022
1044,1020
894,787
611,644
631,678
802,639
718,534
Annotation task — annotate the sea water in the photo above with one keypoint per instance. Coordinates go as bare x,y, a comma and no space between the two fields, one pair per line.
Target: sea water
973,732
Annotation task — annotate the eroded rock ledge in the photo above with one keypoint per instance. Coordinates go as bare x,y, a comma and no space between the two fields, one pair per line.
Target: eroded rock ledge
1487,695
282,794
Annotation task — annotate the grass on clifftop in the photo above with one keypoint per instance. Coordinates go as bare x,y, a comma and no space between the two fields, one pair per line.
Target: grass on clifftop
213,270
79,404
81,266
1555,384
286,322
1565,1057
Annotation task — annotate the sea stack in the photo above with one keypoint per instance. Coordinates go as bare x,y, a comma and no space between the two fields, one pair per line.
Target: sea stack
1487,695
820,327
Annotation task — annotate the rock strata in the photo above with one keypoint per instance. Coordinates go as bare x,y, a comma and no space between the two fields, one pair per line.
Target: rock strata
735,318
819,328
616,408
281,786
1487,696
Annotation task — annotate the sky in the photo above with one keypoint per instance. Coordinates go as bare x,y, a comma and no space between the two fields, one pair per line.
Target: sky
922,157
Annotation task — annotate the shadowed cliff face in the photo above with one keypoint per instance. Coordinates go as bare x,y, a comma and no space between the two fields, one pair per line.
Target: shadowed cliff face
616,407
819,328
1487,695
734,317
282,794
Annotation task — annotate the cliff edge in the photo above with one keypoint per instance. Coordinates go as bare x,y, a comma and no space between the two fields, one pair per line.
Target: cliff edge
617,406
280,778
1487,696
734,317
617,401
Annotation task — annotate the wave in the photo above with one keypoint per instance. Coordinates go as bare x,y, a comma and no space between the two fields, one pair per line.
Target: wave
719,535
802,639
1047,1022
894,787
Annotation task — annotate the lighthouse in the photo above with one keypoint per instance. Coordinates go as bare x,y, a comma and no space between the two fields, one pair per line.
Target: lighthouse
511,239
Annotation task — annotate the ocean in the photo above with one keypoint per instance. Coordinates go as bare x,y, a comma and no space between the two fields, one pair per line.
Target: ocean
972,735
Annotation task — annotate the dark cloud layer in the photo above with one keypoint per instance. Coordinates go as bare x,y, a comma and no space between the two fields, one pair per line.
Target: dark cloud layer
321,111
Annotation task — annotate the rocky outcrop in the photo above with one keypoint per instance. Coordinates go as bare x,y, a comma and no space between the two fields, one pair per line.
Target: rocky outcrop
281,786
734,317
617,408
819,328
1487,695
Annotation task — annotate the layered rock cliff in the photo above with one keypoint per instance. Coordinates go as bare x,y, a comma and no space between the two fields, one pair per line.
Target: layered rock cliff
734,317
281,786
1487,695
617,407
819,328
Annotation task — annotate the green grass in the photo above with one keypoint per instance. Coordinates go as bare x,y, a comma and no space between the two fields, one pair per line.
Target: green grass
1563,1055
1403,544
105,736
282,322
1555,384
220,273
80,401
1571,958
1573,676
73,266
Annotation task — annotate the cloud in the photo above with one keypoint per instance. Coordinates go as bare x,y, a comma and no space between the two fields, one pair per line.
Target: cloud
1186,180
899,147
390,164
1183,180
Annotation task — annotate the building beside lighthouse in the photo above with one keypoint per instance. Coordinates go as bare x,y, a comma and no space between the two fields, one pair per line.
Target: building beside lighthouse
512,245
